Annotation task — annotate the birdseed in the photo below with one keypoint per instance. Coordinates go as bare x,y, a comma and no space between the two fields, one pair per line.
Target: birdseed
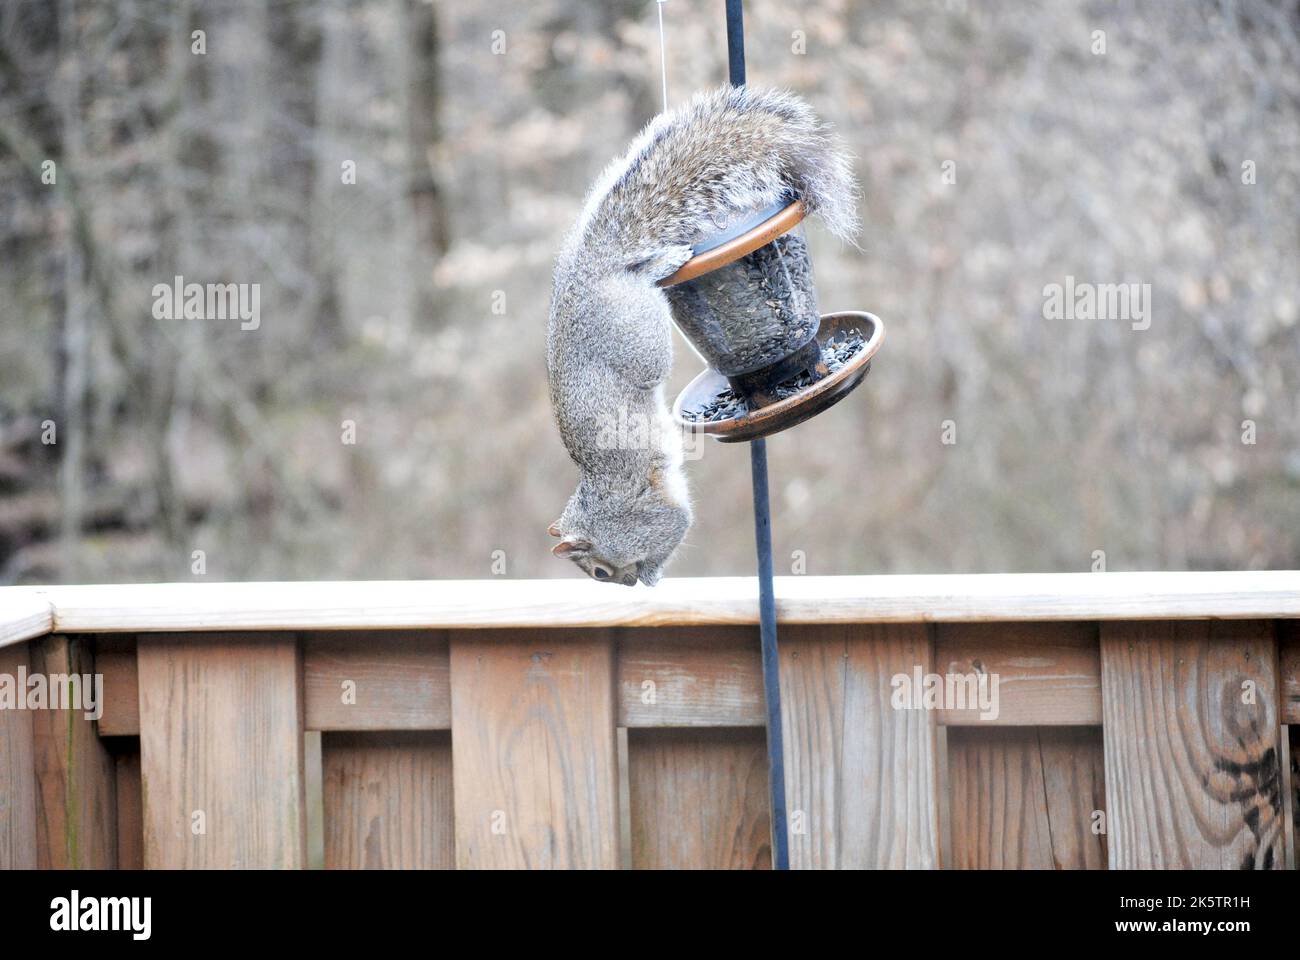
726,405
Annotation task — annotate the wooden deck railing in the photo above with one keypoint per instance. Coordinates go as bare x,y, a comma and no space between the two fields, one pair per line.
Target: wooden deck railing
1141,721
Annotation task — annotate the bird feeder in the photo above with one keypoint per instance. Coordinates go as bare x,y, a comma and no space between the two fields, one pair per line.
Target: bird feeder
746,302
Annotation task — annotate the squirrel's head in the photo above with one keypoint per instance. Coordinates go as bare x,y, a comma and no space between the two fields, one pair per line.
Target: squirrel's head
614,537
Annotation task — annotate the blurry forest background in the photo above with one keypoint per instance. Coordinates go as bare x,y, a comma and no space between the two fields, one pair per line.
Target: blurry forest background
413,301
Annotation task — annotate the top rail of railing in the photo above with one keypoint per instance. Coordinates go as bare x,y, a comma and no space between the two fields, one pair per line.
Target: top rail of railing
27,612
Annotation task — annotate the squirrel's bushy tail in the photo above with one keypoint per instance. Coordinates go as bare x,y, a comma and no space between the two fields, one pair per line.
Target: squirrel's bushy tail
724,152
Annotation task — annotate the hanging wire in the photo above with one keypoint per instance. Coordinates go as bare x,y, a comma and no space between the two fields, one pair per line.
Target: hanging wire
663,52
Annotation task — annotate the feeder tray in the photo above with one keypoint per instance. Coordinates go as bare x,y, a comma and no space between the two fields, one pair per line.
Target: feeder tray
745,302
707,388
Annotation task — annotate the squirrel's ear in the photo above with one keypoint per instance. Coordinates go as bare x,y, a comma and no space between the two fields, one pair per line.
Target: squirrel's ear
655,265
568,549
554,529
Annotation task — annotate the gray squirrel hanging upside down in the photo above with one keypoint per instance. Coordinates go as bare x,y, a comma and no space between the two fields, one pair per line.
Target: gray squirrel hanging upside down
725,153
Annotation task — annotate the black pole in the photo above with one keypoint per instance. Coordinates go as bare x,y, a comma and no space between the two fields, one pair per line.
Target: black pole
771,666
736,42
763,546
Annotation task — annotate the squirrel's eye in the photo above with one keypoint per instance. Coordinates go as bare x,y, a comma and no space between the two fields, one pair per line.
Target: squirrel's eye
600,573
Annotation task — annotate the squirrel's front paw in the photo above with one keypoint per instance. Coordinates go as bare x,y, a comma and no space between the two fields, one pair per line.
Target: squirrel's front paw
649,573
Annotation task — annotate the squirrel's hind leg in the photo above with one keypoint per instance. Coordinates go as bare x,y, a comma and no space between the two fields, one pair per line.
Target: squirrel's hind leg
638,344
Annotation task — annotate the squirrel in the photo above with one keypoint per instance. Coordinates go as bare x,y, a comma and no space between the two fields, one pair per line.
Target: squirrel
724,153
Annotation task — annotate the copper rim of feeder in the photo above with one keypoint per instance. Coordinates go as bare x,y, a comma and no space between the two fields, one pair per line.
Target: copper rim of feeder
737,247
795,409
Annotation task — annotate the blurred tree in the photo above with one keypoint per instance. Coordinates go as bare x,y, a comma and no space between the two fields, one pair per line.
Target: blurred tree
395,175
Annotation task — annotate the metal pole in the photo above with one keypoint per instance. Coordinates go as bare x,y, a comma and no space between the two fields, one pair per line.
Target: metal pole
736,42
763,546
771,669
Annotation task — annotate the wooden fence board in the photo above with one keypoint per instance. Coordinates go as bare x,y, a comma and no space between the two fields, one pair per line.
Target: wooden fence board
17,773
221,736
25,614
999,812
861,777
534,753
690,677
1074,775
1193,768
1293,800
115,659
388,801
1026,798
1049,674
130,809
1288,656
75,776
313,778
397,680
578,602
699,799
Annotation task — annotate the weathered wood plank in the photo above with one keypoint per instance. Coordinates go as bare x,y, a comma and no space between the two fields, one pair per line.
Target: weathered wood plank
24,615
861,777
222,751
699,799
313,776
130,810
999,811
1293,798
1047,674
76,813
453,604
388,801
690,677
1027,798
944,786
115,659
398,680
1288,655
18,822
1074,774
624,803
1193,755
533,732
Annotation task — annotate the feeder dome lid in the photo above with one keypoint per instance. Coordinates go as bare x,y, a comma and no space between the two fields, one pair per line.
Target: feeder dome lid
739,239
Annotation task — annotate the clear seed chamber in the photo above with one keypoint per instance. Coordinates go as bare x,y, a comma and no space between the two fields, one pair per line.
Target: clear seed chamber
753,312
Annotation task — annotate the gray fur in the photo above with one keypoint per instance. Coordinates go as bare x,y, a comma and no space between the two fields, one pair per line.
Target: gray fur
724,153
